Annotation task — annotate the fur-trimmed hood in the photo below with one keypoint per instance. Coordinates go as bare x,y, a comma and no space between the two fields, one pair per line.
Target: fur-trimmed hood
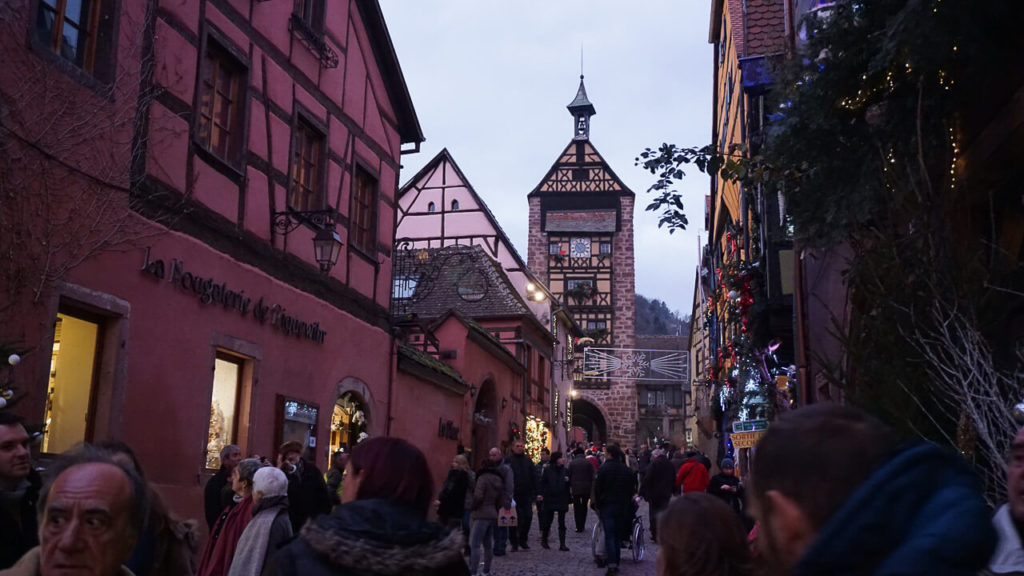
380,538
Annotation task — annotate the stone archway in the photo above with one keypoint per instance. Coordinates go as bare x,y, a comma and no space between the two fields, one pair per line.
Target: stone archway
589,416
485,421
359,390
350,415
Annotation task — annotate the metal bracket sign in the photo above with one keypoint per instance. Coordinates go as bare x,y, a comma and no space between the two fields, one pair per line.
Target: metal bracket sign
635,364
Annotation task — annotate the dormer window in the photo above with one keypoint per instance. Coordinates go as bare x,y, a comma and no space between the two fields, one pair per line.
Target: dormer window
431,207
455,205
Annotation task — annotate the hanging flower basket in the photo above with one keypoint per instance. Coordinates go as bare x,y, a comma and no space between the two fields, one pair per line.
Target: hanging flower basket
582,292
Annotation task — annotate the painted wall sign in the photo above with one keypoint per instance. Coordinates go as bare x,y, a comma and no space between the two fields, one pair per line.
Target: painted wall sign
208,291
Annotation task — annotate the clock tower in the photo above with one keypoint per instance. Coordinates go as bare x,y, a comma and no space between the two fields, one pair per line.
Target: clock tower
581,246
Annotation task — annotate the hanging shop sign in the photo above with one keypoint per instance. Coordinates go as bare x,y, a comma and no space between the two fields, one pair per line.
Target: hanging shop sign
210,292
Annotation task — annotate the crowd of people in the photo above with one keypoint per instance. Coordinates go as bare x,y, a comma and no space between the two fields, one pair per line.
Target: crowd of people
831,491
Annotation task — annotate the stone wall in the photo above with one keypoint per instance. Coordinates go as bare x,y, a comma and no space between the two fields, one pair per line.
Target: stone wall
619,401
537,243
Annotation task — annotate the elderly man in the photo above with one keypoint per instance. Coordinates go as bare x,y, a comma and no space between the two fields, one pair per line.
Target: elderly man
91,513
218,495
1009,519
19,490
872,505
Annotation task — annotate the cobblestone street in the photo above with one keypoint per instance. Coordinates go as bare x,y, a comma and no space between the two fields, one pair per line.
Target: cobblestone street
578,560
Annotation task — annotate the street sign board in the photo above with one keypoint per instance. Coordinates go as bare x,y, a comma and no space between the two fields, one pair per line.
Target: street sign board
750,426
746,439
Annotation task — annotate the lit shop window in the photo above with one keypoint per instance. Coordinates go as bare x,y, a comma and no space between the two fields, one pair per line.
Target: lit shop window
72,374
227,385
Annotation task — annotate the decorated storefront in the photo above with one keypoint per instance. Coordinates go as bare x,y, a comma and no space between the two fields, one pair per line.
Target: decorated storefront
537,437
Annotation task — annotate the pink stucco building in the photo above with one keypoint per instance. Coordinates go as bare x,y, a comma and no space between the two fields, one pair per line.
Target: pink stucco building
438,207
163,283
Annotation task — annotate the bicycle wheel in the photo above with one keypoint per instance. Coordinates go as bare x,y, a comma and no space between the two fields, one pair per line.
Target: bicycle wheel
637,541
597,545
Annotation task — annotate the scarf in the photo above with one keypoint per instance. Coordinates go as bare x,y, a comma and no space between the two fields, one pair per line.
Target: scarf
252,546
220,550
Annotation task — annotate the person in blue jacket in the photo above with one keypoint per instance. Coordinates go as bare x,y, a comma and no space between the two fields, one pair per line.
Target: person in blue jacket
835,492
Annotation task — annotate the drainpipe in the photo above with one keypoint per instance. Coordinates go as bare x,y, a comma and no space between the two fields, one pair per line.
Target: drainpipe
800,318
392,367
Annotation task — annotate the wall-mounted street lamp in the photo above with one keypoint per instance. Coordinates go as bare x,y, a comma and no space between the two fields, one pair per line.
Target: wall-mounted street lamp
326,243
472,390
535,292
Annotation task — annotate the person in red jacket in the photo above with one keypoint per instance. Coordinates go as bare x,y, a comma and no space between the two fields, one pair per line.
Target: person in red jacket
692,475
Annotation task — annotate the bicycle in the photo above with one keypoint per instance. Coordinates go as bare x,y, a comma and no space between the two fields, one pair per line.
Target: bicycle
637,541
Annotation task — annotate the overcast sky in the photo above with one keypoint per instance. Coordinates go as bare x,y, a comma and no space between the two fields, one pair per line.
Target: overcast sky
490,81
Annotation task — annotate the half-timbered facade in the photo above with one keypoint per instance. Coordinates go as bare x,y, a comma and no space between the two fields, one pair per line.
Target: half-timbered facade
581,245
225,273
438,207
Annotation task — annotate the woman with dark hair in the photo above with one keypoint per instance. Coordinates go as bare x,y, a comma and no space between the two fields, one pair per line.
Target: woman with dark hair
701,536
381,525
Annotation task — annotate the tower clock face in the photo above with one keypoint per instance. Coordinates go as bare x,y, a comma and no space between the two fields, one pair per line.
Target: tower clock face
579,247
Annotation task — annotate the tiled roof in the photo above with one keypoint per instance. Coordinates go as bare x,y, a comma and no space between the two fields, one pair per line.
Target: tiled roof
428,361
580,221
460,278
766,28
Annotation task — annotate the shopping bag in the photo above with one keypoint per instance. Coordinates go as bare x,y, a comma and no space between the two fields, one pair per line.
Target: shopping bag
507,517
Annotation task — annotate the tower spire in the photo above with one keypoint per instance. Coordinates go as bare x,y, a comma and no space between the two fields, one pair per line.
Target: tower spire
581,110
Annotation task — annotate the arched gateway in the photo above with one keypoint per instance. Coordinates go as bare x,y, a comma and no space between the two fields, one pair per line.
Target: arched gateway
591,422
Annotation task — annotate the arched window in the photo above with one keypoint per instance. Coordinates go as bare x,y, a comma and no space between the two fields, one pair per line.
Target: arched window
431,207
455,205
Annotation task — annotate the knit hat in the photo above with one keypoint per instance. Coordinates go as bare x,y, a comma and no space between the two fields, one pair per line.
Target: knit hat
726,463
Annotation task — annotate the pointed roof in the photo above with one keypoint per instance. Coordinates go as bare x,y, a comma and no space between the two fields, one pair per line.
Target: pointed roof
581,104
581,168
398,91
445,156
